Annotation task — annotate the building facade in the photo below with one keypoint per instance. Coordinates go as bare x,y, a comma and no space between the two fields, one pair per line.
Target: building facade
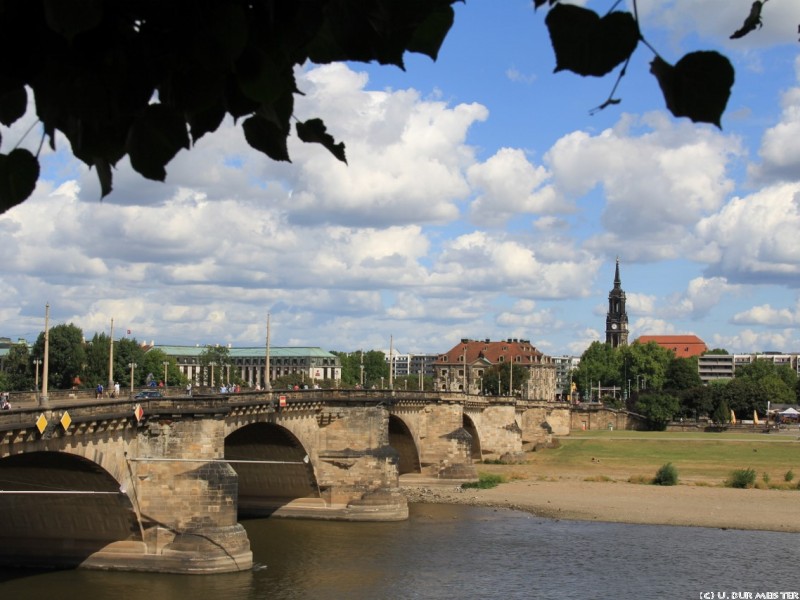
312,363
565,365
411,364
617,316
712,367
461,369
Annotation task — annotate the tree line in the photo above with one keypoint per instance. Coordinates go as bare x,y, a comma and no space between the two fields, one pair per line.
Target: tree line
75,363
652,381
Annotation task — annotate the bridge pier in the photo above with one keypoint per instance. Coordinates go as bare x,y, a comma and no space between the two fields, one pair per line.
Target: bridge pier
185,497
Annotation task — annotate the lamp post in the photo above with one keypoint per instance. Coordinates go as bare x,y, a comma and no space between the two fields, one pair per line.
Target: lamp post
36,363
641,382
132,366
166,364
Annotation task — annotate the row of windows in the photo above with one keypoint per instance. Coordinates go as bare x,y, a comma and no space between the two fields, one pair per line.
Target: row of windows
324,362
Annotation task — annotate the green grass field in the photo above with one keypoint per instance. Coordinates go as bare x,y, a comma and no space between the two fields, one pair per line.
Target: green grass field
701,458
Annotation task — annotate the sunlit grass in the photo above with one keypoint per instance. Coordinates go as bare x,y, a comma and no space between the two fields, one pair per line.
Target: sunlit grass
699,457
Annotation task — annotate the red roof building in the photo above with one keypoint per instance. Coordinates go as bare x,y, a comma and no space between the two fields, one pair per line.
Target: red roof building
461,368
684,346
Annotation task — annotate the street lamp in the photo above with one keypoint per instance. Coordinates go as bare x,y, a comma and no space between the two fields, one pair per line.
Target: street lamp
641,381
36,363
132,366
166,364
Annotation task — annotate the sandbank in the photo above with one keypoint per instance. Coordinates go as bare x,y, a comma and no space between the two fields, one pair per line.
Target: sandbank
623,502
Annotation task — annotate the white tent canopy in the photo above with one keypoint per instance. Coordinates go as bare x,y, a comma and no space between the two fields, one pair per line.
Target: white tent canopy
790,412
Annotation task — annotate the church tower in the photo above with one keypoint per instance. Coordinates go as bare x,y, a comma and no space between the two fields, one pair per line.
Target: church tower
617,318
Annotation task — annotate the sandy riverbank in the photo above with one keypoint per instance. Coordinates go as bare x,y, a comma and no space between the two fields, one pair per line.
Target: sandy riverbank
622,502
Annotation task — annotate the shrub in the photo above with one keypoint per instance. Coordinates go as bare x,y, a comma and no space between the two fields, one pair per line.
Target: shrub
666,475
765,477
742,478
485,481
789,476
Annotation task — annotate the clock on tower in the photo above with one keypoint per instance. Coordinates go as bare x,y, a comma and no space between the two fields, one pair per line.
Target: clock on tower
616,318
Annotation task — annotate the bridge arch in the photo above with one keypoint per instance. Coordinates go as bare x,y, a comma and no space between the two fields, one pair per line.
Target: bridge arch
273,468
475,446
60,508
402,440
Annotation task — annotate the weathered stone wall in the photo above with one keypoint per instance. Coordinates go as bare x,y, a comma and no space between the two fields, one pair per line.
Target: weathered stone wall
599,417
355,458
444,445
187,501
500,433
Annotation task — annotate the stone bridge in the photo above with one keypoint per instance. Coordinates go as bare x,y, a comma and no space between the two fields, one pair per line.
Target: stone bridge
160,484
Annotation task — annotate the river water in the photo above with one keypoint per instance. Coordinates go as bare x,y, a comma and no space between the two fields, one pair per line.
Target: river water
460,552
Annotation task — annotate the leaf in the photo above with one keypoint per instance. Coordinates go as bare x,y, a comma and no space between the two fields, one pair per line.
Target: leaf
205,121
698,86
104,175
157,134
314,131
72,17
588,45
751,23
19,171
428,37
13,104
265,136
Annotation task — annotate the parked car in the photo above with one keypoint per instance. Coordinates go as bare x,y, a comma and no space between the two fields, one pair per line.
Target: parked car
149,394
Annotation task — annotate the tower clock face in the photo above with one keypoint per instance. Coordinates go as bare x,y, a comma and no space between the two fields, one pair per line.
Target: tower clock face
613,326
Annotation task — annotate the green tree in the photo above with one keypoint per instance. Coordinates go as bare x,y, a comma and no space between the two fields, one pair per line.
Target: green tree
67,356
376,369
351,367
682,374
648,365
97,355
657,407
497,379
721,412
153,362
19,374
600,365
128,352
716,351
214,361
698,401
412,382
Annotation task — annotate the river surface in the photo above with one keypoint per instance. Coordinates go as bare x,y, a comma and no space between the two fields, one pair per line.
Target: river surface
460,552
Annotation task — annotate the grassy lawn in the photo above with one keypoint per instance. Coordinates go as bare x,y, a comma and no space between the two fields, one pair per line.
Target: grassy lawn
701,458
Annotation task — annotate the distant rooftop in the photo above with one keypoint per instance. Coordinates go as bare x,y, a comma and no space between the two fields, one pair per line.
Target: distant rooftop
684,346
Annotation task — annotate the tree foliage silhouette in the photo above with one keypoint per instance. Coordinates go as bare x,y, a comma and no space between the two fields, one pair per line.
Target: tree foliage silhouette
146,79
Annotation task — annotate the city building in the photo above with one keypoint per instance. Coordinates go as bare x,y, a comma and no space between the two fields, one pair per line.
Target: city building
617,316
565,365
312,363
463,366
712,367
684,346
411,364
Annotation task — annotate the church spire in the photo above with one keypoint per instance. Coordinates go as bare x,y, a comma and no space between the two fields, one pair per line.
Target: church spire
617,316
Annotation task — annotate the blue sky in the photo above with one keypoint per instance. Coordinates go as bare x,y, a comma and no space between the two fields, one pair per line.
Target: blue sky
482,200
